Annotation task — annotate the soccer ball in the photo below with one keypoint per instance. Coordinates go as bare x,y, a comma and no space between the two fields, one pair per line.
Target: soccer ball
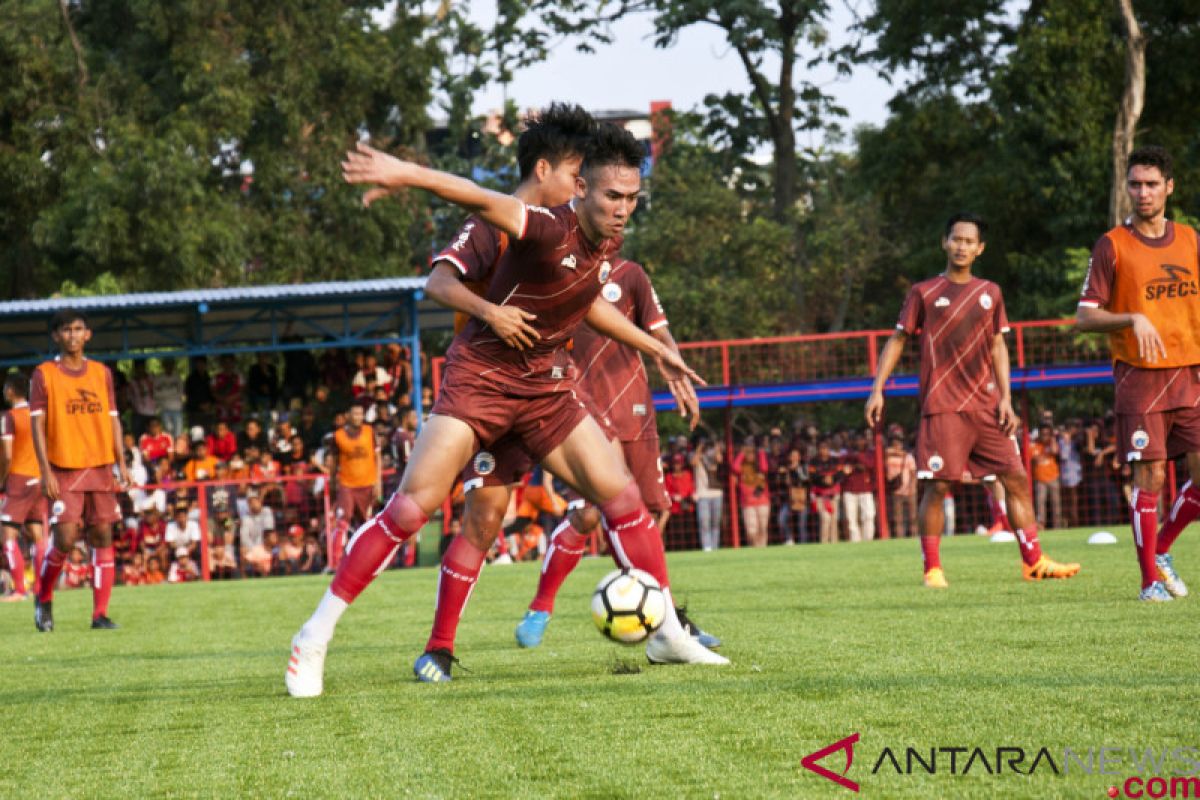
628,605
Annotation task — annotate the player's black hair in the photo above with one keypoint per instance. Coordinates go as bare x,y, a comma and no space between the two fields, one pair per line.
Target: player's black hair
18,383
613,146
558,131
967,216
66,316
1152,156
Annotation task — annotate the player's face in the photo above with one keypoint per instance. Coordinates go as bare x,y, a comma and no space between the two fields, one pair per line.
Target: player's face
356,417
556,184
609,195
1148,191
962,245
72,337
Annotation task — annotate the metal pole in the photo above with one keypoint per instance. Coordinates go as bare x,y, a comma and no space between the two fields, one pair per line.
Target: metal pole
880,484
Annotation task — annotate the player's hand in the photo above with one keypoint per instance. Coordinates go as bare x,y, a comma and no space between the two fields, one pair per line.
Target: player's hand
1150,344
1007,418
681,380
874,409
123,479
366,165
511,324
50,487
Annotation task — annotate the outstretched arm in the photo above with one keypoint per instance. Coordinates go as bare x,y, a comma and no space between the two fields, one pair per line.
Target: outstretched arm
1098,320
887,362
386,173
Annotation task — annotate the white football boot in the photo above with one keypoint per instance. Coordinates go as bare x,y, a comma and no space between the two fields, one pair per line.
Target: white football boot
680,649
306,668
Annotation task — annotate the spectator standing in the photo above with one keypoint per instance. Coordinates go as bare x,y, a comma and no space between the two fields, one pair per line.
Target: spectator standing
706,477
199,400
369,373
183,533
1070,462
299,371
680,486
825,487
255,524
222,443
793,506
1043,455
141,398
227,390
155,444
858,490
168,396
253,436
901,473
750,467
262,384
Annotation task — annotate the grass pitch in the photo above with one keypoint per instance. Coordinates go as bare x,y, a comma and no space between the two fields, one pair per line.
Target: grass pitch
187,699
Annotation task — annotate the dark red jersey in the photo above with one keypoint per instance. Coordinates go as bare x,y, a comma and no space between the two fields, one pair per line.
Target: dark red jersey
552,271
957,324
613,373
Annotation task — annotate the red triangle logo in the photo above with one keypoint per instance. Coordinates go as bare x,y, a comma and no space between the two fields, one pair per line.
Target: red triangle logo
809,762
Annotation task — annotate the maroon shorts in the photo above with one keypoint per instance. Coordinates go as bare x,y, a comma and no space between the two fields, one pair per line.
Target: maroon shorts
540,414
23,500
502,464
949,445
355,502
645,462
88,496
1158,436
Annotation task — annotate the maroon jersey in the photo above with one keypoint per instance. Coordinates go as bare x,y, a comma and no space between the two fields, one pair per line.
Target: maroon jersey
613,373
957,324
475,251
552,271
861,478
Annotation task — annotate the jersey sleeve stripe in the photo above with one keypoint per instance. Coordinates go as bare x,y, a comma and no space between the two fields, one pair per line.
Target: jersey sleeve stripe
453,260
37,412
1005,329
662,323
524,221
1088,304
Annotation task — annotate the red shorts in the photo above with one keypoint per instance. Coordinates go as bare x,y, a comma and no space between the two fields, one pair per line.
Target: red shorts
949,445
1158,436
23,500
502,464
355,502
645,462
540,414
88,496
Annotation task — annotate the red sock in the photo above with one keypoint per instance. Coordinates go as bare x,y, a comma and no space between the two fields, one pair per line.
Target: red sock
636,543
1145,532
52,567
459,571
563,555
374,545
1031,548
16,564
1185,510
337,544
104,573
39,558
931,550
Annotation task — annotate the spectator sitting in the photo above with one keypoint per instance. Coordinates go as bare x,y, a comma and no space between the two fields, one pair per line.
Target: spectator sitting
197,389
227,391
183,533
76,574
152,533
308,430
291,551
262,384
154,573
183,453
223,561
313,562
254,436
255,524
223,444
238,469
371,373
526,539
134,573
201,466
183,569
155,443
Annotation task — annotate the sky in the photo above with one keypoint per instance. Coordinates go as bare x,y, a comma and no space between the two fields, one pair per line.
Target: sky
632,72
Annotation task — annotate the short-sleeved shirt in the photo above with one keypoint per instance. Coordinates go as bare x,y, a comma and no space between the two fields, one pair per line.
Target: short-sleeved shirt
957,324
553,271
613,373
1131,273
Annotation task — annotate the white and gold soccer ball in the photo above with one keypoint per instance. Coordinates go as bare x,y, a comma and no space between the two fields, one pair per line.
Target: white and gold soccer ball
628,605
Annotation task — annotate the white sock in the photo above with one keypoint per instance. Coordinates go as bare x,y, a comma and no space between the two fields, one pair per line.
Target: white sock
671,628
321,624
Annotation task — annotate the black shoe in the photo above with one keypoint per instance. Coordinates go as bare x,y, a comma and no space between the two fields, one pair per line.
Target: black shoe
43,616
693,630
103,623
434,666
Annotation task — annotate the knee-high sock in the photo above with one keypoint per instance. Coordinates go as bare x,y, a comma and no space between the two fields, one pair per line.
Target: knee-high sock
999,512
370,550
1031,548
104,572
459,572
16,564
931,552
1144,506
39,558
562,556
636,543
1185,510
52,567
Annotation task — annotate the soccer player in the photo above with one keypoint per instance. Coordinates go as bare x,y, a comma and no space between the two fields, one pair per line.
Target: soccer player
967,419
556,263
1142,290
77,439
357,468
23,506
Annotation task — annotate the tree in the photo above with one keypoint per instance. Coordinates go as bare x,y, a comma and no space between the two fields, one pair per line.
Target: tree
1129,111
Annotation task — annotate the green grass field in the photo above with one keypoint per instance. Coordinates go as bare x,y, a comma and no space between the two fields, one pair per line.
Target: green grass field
187,699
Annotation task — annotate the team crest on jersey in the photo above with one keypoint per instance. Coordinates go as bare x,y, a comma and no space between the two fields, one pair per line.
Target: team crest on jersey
568,261
985,300
942,302
605,271
936,463
485,463
611,292
1140,439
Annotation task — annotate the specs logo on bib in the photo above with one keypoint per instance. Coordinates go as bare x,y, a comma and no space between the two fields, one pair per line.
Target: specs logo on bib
1140,439
485,463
